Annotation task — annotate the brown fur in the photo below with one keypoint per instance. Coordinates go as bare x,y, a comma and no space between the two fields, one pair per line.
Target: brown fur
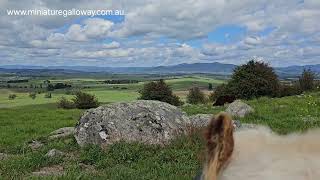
259,154
220,144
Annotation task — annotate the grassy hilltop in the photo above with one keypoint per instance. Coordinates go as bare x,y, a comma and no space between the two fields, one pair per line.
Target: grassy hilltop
24,119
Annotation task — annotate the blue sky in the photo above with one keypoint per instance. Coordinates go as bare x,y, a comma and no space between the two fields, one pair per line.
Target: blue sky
166,32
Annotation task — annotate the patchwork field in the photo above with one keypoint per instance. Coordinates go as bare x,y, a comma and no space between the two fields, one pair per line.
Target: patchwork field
106,93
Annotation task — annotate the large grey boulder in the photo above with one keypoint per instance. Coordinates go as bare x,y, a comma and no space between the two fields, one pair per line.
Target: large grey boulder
200,120
239,109
150,122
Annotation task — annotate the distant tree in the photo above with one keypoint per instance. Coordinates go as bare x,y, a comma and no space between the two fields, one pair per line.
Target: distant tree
196,96
307,79
289,90
61,86
84,100
65,103
33,95
12,96
210,87
252,80
220,91
50,87
48,95
159,91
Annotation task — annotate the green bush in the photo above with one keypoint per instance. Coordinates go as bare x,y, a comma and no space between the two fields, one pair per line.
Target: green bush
210,87
159,91
221,90
33,95
196,96
252,80
12,96
289,90
307,80
65,103
84,100
48,95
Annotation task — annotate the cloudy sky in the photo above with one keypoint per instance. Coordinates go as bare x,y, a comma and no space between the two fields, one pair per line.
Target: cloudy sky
162,32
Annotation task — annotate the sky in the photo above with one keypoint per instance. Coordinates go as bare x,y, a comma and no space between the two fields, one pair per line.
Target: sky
162,32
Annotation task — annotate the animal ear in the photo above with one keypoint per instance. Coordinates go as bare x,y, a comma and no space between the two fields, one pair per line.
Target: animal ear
220,144
218,129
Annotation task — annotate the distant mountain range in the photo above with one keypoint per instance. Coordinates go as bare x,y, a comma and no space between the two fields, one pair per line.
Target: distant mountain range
210,68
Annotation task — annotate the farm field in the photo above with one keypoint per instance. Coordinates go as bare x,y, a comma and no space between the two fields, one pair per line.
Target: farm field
106,93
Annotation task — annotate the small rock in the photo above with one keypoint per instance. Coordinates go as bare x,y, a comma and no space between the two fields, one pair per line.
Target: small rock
54,153
49,171
61,133
34,145
3,156
239,109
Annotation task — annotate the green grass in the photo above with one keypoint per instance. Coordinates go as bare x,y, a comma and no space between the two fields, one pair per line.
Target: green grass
288,114
104,96
21,124
23,99
189,82
282,115
114,96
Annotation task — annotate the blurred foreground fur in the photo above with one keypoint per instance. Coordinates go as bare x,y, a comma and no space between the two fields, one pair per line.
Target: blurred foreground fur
259,154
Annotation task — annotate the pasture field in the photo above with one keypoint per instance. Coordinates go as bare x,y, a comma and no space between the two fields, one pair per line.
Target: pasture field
106,93
181,159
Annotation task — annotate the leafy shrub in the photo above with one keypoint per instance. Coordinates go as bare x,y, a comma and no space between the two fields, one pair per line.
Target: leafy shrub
306,80
210,87
252,80
33,95
159,91
84,100
196,96
65,103
48,95
50,87
289,90
62,86
221,90
12,96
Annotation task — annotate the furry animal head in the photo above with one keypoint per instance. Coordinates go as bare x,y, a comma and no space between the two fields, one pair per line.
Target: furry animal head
220,144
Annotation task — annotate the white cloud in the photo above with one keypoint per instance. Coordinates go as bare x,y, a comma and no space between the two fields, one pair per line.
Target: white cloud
295,37
112,45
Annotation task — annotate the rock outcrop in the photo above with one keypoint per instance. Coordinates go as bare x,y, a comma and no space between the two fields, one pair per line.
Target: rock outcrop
61,133
200,120
239,109
150,122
